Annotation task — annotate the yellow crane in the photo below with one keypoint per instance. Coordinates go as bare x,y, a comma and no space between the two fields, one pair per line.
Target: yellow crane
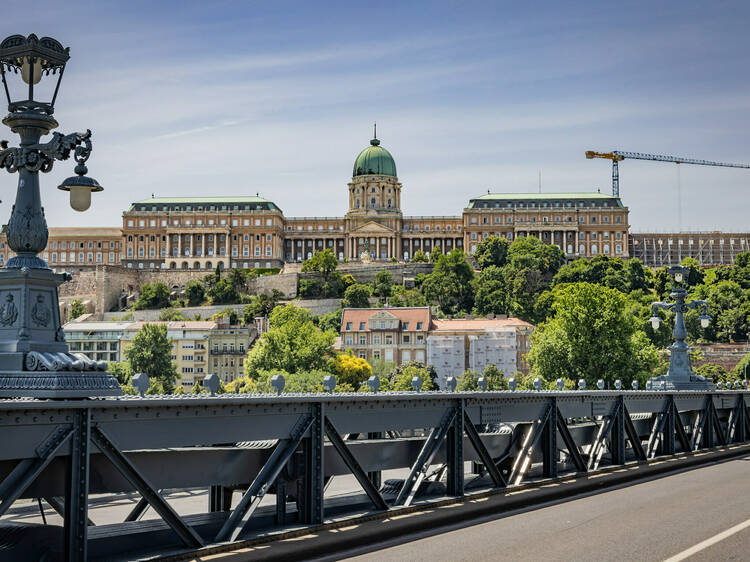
617,156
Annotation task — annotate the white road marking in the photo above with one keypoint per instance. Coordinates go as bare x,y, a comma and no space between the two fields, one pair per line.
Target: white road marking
709,542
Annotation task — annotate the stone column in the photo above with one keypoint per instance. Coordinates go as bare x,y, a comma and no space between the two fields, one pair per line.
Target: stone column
216,241
179,245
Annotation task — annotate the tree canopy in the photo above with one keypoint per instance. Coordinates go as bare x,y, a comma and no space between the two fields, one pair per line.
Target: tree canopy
150,352
292,343
153,295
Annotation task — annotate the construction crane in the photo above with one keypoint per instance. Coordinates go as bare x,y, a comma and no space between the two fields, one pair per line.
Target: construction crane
618,156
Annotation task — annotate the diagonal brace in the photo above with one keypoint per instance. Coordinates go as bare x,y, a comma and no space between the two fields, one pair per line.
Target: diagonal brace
235,523
522,462
354,467
186,533
633,437
419,468
471,432
570,443
26,471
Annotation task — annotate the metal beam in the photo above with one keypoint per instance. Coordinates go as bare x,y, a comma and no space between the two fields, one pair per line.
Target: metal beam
549,442
497,477
454,453
237,520
77,493
680,429
347,456
58,504
138,510
186,533
420,466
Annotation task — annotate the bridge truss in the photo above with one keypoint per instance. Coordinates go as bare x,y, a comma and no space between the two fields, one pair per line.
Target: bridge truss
292,445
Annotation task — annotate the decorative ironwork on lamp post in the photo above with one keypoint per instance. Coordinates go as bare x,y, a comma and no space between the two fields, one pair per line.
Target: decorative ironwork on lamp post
34,358
680,375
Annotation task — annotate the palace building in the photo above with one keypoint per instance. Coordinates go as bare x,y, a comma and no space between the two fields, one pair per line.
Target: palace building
201,233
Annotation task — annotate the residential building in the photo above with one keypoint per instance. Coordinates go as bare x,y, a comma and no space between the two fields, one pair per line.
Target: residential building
97,340
400,335
227,347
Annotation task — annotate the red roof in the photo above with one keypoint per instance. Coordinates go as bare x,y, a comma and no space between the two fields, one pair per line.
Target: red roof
411,315
479,324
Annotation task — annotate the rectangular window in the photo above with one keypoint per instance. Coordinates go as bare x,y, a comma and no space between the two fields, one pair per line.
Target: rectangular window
405,339
361,326
389,340
376,339
348,340
362,340
419,326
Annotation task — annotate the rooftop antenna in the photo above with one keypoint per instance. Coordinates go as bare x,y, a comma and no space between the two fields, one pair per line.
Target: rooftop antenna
375,130
540,181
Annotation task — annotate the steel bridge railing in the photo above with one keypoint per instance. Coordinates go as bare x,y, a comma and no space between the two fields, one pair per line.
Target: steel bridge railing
292,445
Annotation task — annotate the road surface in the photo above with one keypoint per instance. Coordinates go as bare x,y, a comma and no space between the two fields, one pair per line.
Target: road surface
700,514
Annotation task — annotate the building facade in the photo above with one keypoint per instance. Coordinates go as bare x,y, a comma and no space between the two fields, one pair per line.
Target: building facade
199,348
400,335
202,233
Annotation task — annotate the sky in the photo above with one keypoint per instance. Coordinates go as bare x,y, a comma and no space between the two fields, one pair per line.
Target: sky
278,98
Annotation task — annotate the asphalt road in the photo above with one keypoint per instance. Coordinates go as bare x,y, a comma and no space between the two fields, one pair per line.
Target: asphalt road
697,515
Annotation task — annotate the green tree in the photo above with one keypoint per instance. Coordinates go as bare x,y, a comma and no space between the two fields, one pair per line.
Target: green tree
195,292
293,343
150,352
588,337
229,313
435,254
450,283
122,371
323,262
76,309
419,257
331,321
402,378
261,305
492,294
382,285
153,295
197,388
238,279
356,296
530,268
170,314
492,251
224,292
469,380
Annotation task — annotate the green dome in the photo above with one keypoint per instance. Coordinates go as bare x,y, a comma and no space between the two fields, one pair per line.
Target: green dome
374,160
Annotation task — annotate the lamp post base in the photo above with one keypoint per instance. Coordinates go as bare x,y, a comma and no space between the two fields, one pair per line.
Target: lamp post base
61,384
665,382
34,358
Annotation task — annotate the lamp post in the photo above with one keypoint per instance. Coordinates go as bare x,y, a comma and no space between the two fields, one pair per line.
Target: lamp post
680,375
34,358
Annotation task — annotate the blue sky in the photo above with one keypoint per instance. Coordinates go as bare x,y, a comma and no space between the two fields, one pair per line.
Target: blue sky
239,97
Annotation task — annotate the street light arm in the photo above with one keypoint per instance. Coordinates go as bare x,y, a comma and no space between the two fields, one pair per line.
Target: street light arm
661,305
41,157
703,305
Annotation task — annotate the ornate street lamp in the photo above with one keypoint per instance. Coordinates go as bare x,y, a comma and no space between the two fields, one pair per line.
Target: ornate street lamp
680,375
34,358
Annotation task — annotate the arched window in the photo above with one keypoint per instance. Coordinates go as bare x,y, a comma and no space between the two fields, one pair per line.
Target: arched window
372,202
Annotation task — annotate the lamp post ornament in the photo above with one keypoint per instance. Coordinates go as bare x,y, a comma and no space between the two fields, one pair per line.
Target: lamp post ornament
680,375
34,358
